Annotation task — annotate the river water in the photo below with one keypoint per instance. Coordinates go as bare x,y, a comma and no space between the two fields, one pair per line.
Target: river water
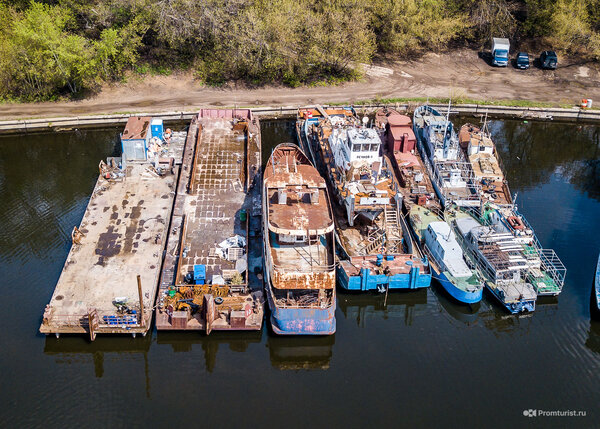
419,360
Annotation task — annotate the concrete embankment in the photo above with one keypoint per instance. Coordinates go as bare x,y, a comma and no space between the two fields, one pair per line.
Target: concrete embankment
18,126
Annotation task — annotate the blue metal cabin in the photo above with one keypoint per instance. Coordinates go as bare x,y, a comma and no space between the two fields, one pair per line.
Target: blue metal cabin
135,138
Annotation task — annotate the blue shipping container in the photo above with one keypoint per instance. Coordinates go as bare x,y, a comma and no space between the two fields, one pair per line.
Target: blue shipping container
200,274
156,128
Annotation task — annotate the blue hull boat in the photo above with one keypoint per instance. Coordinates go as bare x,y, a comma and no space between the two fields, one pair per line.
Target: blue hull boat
374,248
455,292
367,280
298,239
520,306
301,321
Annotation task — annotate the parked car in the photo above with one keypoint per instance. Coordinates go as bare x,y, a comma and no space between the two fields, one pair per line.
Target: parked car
548,60
523,60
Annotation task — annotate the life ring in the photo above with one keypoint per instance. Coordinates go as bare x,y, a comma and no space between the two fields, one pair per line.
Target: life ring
515,222
513,306
218,300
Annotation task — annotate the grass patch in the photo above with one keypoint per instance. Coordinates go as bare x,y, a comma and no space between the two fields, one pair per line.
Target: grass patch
153,70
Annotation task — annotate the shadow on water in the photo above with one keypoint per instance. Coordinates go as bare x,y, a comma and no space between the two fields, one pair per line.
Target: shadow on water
399,304
70,349
274,132
295,353
236,341
467,314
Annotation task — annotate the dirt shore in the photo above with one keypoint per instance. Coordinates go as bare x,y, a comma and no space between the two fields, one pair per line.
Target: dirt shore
457,74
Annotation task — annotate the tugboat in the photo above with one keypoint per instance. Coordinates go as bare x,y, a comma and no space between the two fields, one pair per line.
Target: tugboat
499,257
298,236
375,248
435,237
451,174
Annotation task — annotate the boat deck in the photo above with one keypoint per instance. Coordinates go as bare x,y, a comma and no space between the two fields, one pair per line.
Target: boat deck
401,264
301,257
124,231
209,229
421,217
515,292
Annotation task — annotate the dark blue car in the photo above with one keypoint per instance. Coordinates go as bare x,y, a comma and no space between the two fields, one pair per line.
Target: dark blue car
523,60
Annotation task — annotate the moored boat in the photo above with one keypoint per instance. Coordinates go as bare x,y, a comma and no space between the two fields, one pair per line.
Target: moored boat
500,260
375,248
546,272
298,236
447,261
450,172
445,254
479,148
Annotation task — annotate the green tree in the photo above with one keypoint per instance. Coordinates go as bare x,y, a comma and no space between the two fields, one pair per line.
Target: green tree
40,56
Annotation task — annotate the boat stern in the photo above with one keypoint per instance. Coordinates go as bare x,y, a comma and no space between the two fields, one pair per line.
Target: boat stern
303,321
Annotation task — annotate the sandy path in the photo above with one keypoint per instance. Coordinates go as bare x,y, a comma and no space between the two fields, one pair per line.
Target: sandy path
458,74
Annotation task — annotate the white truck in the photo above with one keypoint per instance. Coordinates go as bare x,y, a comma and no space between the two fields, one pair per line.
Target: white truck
500,48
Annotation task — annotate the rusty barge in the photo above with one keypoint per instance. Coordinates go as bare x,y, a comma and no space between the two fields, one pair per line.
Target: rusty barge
108,282
204,281
298,236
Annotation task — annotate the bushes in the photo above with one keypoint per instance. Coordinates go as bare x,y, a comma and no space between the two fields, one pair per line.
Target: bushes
42,57
70,46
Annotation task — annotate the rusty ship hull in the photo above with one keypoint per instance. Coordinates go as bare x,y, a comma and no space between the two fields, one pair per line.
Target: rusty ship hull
298,237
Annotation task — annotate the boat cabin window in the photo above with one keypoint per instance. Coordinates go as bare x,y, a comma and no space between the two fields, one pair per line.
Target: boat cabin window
291,239
365,147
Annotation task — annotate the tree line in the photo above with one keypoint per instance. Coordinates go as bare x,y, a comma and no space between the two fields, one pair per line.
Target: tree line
51,49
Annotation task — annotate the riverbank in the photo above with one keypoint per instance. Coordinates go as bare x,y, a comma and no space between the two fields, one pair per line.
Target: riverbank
14,126
460,75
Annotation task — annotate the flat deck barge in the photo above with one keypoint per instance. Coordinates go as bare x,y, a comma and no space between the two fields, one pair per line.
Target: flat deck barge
204,280
110,277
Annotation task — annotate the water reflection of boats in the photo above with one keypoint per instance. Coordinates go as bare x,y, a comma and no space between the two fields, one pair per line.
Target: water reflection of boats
499,322
593,339
293,353
238,341
75,349
362,306
467,314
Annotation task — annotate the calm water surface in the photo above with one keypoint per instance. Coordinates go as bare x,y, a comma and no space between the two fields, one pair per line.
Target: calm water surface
419,360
